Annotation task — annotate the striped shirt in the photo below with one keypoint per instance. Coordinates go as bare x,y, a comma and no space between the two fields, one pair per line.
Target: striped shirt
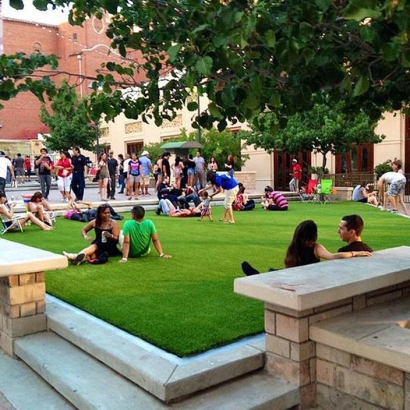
278,199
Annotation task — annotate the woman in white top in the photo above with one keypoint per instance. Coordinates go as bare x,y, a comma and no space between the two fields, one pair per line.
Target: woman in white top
397,183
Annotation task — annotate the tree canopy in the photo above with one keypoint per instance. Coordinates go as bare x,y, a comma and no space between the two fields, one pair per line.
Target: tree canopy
246,56
68,122
326,128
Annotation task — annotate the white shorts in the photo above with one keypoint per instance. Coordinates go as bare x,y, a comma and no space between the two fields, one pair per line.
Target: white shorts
230,196
64,183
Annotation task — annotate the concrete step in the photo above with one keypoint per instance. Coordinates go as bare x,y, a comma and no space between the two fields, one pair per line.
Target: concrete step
164,375
89,384
26,390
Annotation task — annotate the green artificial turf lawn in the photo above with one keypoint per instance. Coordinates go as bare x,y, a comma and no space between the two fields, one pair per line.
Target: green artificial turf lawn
186,304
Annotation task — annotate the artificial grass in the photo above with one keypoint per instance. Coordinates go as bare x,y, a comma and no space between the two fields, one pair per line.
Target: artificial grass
186,304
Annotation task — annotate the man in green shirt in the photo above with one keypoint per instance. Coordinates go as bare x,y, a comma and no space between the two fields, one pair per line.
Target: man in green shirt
138,234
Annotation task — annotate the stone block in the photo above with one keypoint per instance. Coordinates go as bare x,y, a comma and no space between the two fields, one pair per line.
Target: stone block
307,396
288,312
332,355
402,285
302,351
41,306
6,343
4,294
331,399
270,318
29,293
330,306
377,370
13,281
407,392
291,328
278,345
40,277
13,312
28,309
382,291
386,297
295,372
312,369
27,279
325,372
25,325
359,302
370,389
329,314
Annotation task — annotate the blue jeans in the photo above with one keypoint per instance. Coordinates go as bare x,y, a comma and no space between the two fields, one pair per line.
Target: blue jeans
121,181
45,185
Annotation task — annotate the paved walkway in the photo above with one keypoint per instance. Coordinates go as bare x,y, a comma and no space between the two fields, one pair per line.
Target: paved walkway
5,404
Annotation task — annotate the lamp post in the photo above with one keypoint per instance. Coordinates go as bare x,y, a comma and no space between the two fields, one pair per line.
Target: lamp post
199,135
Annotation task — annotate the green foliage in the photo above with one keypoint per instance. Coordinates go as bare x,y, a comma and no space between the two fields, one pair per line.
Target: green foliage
327,127
246,57
186,306
69,122
382,168
219,145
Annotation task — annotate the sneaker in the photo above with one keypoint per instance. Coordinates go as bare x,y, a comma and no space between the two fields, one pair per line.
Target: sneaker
112,199
158,211
79,259
248,270
393,211
70,256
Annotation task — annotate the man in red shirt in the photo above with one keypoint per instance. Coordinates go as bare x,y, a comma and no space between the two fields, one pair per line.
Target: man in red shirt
296,176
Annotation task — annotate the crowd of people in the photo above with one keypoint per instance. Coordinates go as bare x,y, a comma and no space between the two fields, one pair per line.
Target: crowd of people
178,200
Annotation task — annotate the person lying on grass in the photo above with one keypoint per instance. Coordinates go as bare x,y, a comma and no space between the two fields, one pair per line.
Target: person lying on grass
304,249
169,209
107,234
138,234
9,217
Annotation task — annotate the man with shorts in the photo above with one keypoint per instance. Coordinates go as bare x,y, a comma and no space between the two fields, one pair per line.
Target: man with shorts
138,234
145,170
223,182
5,164
397,183
19,168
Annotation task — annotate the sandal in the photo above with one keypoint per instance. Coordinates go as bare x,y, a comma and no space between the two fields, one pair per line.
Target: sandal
222,220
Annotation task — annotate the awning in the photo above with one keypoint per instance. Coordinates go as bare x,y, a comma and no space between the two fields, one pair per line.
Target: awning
181,145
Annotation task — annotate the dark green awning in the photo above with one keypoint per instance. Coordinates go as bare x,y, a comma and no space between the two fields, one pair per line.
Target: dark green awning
181,145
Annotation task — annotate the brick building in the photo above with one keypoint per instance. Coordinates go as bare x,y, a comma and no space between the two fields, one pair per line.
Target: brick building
80,51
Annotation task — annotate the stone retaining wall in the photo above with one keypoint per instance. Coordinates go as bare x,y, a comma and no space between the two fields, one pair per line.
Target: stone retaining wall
23,290
297,298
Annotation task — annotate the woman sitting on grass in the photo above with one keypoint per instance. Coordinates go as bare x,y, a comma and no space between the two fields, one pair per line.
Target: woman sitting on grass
304,250
9,218
38,206
107,234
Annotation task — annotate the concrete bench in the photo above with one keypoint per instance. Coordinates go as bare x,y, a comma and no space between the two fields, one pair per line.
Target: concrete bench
302,304
23,291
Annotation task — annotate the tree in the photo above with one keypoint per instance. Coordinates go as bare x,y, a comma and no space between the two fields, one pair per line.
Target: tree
246,56
69,122
323,129
219,145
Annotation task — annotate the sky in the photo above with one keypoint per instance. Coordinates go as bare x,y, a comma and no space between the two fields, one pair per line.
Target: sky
30,13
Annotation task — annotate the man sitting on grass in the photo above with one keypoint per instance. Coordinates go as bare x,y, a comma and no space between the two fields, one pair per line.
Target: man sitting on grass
138,233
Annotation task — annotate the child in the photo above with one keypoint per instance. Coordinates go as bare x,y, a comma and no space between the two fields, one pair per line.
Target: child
205,206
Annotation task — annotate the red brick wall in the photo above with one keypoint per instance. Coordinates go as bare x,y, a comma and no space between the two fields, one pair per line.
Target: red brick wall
20,116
